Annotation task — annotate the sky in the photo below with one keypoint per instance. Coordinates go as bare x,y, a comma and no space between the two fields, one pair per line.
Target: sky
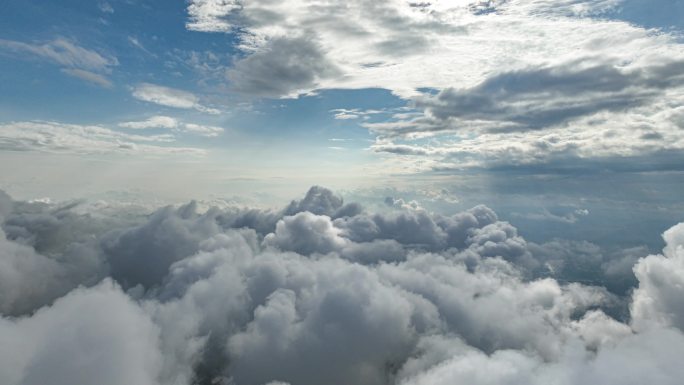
537,108
244,182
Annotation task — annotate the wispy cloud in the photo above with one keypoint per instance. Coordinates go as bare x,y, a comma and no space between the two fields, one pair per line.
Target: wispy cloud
170,97
167,122
152,122
88,76
84,139
76,61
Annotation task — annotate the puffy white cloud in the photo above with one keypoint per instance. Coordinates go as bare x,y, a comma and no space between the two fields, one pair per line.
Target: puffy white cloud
366,39
251,296
611,365
659,298
97,335
306,233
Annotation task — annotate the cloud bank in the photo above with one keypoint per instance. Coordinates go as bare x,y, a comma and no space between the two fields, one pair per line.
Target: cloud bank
323,291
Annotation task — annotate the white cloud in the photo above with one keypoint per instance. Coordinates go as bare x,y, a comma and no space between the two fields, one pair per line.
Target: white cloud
152,122
659,300
403,46
97,335
170,123
211,15
203,130
83,139
517,82
405,297
170,97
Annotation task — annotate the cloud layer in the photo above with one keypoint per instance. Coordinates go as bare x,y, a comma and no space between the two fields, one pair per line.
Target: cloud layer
323,291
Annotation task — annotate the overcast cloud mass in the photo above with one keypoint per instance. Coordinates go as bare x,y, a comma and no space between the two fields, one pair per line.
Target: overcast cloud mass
503,200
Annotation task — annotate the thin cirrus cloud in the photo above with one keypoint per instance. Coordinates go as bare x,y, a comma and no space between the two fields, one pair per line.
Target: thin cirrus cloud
88,76
76,61
152,122
170,97
57,137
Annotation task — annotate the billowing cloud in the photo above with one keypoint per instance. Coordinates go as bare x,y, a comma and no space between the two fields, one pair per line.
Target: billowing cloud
97,335
658,300
404,296
203,130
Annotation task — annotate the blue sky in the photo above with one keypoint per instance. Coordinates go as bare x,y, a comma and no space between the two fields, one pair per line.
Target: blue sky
534,107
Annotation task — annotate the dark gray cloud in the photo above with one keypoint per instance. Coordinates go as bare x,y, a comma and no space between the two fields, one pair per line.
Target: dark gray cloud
282,67
403,296
544,97
582,114
143,254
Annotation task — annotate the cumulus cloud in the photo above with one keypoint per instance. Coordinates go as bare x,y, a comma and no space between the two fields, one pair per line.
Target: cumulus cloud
170,97
658,299
97,335
306,233
322,291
